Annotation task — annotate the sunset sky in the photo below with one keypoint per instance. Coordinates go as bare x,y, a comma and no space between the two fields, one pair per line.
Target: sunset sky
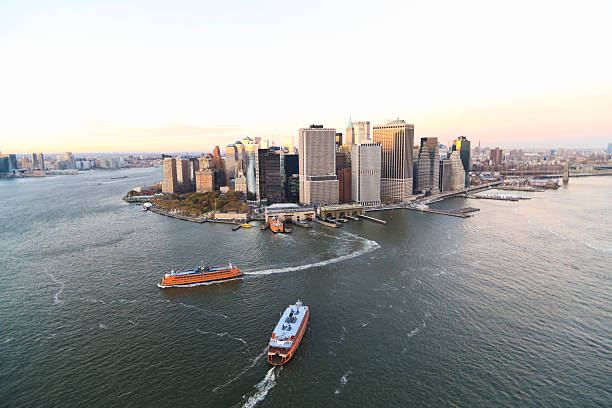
121,76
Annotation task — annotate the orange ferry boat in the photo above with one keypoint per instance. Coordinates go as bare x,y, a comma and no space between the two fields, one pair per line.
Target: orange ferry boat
277,225
201,274
288,333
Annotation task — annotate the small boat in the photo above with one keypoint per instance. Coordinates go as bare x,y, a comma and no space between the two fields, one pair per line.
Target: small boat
118,177
265,226
199,275
288,333
245,225
236,227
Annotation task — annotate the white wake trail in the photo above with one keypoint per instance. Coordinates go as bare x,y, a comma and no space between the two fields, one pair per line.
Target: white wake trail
224,335
202,310
263,387
56,298
369,246
254,361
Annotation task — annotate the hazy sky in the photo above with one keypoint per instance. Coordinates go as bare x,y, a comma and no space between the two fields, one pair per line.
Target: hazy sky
117,76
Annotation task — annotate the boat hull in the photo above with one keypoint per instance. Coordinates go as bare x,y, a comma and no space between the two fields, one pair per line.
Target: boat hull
279,358
201,278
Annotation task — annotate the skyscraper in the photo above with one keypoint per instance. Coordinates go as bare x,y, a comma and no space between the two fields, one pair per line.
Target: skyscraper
169,184
35,161
251,165
205,180
338,140
457,171
446,172
609,148
462,145
318,180
496,156
270,175
396,139
428,166
231,157
41,161
292,184
217,157
183,175
365,174
362,132
349,134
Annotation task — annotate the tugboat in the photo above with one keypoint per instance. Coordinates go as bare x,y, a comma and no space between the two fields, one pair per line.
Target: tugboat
199,275
288,333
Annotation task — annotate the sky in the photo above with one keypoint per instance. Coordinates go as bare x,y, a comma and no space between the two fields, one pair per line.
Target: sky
151,76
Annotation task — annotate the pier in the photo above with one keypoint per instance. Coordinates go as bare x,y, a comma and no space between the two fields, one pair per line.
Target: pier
367,217
520,188
501,197
462,213
157,210
327,224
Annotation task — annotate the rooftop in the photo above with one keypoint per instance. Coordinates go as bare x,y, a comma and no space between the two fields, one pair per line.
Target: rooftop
288,325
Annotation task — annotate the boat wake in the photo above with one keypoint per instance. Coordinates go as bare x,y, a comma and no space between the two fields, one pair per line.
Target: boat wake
343,382
263,387
369,246
56,299
225,335
202,310
254,361
596,248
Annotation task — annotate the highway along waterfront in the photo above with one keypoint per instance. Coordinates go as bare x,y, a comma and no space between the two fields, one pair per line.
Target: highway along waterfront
510,307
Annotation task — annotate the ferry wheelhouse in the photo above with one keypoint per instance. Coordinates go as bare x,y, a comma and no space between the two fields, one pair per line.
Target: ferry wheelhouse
201,274
288,333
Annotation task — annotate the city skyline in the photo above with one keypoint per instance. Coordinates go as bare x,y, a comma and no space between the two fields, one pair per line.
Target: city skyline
467,71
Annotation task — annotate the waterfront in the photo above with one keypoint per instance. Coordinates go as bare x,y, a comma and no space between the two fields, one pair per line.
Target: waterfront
509,307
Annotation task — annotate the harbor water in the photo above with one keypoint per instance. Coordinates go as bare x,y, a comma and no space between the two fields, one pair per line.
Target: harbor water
511,307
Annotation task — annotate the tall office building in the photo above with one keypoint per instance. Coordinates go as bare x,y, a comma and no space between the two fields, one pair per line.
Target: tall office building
396,139
251,165
338,140
457,171
365,174
41,161
349,134
428,166
231,157
271,175
496,156
35,161
69,158
183,175
462,145
240,156
445,175
292,184
609,148
6,166
318,180
217,157
344,185
205,180
169,184
362,132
